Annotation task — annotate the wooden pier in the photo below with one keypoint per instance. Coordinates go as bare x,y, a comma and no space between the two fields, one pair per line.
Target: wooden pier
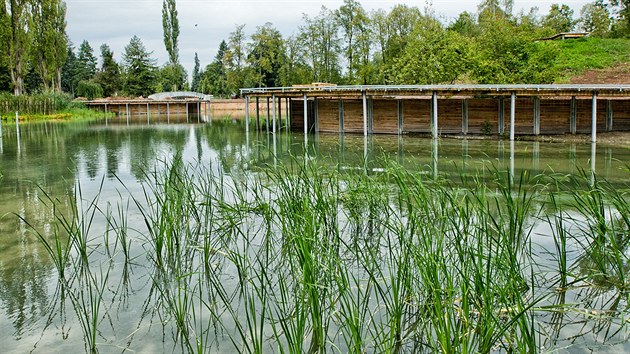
504,110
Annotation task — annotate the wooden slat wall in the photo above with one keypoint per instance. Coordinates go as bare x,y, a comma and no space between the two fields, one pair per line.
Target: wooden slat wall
328,115
385,116
353,116
297,115
555,116
621,115
584,116
416,116
481,111
450,116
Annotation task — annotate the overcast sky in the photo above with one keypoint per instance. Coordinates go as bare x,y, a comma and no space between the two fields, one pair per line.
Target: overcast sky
204,23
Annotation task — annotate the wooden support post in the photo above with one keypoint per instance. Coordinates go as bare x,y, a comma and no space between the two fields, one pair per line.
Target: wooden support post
536,115
289,113
246,114
365,129
573,116
512,115
148,114
168,112
434,114
371,115
279,114
198,111
501,128
127,111
268,114
316,114
273,98
305,116
340,104
400,116
594,119
465,116
609,115
186,111
257,113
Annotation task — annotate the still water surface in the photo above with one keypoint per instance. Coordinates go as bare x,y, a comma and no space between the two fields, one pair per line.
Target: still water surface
74,163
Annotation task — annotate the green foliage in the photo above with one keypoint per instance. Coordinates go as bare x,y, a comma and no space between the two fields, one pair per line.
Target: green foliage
140,69
595,18
559,19
267,56
433,56
85,65
172,77
48,52
170,25
44,103
109,77
214,78
196,74
89,90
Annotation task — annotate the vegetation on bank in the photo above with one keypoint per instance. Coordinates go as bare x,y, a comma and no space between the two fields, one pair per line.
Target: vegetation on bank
44,107
302,259
347,45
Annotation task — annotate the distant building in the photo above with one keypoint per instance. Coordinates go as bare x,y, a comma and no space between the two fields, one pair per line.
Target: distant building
566,35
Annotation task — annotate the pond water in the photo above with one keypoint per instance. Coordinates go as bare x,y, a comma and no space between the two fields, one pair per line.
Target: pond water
71,165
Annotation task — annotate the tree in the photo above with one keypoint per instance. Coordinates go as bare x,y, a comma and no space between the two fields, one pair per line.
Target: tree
465,25
595,18
172,77
85,68
432,56
214,79
492,10
196,74
353,22
49,48
170,25
109,76
233,59
321,45
68,71
16,40
559,18
266,56
140,69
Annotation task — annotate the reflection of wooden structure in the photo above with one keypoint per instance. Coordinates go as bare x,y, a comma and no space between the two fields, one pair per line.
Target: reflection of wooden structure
454,109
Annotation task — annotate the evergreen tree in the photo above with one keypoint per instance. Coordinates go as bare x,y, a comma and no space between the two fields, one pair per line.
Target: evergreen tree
214,79
109,75
68,71
85,68
196,74
140,69
172,77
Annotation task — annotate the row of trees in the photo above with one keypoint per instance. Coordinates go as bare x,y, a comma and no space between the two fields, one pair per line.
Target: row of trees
348,45
406,45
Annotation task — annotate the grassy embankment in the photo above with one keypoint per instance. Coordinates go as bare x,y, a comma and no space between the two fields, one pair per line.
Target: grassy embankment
579,56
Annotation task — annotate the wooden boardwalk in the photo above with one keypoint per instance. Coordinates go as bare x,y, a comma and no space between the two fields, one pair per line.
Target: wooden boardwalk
450,109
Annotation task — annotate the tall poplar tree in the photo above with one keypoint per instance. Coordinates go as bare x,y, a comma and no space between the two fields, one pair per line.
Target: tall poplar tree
196,74
16,40
170,24
49,49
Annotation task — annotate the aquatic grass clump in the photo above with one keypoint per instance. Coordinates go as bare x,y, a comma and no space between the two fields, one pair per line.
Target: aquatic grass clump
294,258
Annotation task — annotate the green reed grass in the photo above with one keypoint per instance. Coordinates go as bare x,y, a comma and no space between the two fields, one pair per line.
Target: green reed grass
296,259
